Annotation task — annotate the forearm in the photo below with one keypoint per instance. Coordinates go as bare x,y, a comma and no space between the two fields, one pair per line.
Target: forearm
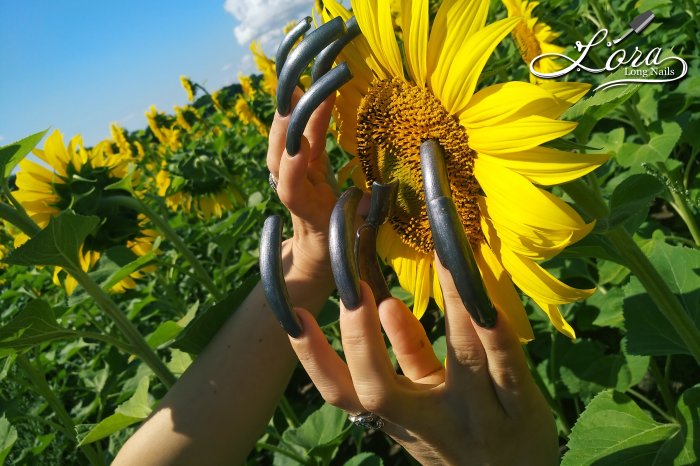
221,405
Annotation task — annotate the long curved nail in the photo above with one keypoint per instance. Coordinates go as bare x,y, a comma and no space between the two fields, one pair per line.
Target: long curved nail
299,59
272,276
368,262
288,42
381,201
325,59
312,98
366,240
449,238
341,243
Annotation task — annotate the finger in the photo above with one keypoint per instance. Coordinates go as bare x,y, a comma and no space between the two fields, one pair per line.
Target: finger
467,365
317,127
409,342
372,373
278,135
327,371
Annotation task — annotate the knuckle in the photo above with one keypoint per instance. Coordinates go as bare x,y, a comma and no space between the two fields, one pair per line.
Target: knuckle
468,354
375,401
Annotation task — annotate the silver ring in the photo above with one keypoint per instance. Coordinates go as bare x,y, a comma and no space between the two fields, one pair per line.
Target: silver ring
273,182
367,420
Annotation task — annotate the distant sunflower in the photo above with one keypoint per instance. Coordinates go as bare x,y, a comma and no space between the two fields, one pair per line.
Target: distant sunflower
533,37
192,180
401,96
266,66
186,116
161,126
188,86
78,182
119,137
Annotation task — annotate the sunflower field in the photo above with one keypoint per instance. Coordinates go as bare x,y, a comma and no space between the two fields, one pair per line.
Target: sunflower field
121,261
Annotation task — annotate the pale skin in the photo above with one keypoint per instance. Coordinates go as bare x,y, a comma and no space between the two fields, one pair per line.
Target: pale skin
482,408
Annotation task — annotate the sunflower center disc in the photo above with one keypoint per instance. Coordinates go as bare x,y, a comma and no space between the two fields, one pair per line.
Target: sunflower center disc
394,118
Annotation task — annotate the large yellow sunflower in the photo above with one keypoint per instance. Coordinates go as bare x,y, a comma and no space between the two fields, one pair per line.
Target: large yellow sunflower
533,37
427,88
78,182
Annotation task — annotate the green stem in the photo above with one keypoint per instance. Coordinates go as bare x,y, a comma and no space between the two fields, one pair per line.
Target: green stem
680,206
125,347
636,121
18,219
132,334
173,237
659,291
651,404
640,265
288,412
40,384
554,404
662,384
284,452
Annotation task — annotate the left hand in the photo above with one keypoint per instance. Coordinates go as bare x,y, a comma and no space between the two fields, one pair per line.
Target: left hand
482,408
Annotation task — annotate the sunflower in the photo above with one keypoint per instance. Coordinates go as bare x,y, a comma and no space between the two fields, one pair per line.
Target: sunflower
492,138
162,127
266,66
193,180
189,87
79,181
533,37
119,137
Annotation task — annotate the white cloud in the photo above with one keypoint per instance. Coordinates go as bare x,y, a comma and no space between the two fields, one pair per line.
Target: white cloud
263,20
2,138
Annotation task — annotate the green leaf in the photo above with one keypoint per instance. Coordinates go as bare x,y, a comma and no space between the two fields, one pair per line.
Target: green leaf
365,459
202,329
8,437
683,448
657,150
648,331
165,332
591,110
322,428
614,431
12,154
135,409
440,348
609,371
634,195
130,267
57,244
33,325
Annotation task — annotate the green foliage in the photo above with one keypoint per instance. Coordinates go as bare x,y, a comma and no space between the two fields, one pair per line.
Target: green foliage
624,392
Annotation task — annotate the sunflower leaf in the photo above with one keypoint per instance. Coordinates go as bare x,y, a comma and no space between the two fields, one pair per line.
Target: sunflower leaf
8,437
633,197
682,448
34,324
58,244
12,154
613,430
648,331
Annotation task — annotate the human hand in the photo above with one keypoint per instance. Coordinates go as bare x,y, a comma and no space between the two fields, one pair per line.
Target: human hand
482,408
305,186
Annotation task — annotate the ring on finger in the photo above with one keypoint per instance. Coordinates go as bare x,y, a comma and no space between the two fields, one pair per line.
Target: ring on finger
273,182
367,420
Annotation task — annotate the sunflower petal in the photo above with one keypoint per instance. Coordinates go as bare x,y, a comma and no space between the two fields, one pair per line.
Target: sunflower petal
502,292
546,166
519,135
502,102
374,18
457,86
568,92
412,268
552,311
414,27
454,22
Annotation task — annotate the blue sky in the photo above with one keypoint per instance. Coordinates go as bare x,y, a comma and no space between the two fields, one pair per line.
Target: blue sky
79,65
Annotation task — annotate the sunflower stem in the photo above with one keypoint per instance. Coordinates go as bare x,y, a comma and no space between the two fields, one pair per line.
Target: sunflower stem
640,265
128,329
554,403
19,219
662,384
174,238
41,385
